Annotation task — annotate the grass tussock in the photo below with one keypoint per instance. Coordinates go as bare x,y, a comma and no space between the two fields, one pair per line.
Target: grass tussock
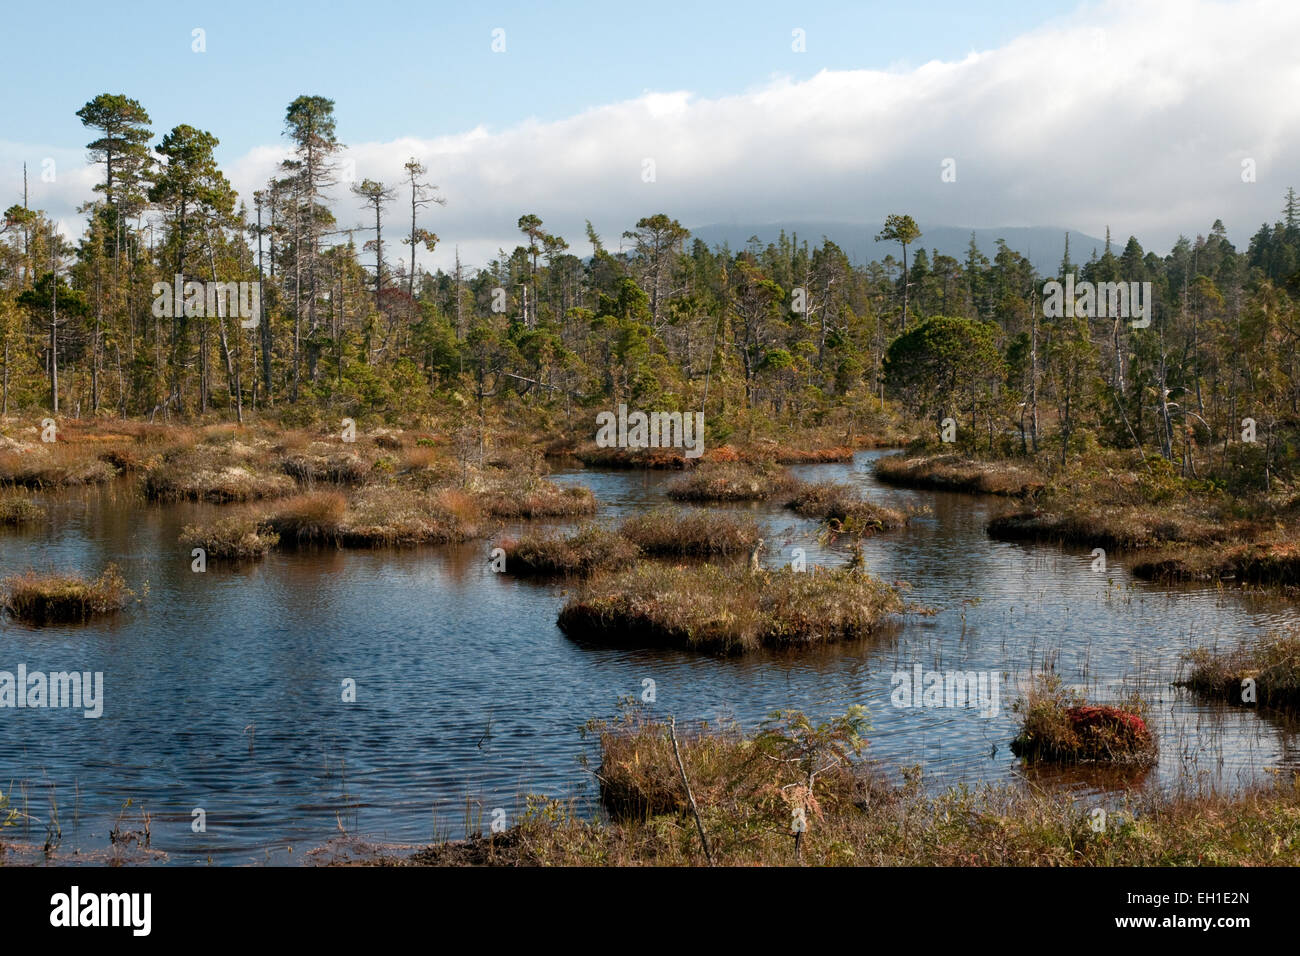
813,456
731,481
1264,673
234,538
530,496
594,456
400,518
374,517
1057,726
211,473
1269,562
313,518
727,610
324,465
761,452
1101,526
586,550
842,507
18,509
956,473
53,465
45,598
665,531
767,773
427,466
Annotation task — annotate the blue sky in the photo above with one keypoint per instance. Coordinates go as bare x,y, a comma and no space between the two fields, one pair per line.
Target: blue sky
432,72
1138,115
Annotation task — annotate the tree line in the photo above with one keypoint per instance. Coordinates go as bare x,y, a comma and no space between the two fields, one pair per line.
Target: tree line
789,332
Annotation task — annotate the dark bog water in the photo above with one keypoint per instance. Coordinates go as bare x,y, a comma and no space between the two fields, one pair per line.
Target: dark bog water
223,690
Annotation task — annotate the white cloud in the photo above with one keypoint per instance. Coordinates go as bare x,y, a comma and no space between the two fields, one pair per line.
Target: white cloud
1135,116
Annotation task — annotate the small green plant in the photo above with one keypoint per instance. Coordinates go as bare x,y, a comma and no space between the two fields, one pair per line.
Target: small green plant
792,738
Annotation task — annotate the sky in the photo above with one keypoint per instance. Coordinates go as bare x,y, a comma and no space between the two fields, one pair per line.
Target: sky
1152,118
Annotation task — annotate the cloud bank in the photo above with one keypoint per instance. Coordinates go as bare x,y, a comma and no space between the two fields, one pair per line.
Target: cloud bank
1134,116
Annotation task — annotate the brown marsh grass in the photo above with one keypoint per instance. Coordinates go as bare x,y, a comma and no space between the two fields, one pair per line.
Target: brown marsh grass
697,531
844,508
727,610
956,473
18,509
1270,663
731,481
53,598
233,538
588,549
375,516
208,473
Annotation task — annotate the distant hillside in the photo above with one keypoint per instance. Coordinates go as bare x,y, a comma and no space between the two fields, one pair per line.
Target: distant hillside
1042,245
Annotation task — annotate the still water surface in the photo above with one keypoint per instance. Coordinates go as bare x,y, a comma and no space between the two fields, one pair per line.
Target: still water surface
223,689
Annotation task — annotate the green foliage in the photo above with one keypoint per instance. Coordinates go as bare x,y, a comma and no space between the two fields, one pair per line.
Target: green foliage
944,364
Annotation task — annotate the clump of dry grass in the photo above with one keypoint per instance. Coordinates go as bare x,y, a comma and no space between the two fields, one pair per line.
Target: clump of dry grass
207,473
665,531
45,598
955,473
595,456
461,505
1273,561
146,433
1101,526
530,496
844,508
53,465
640,779
399,517
324,464
1059,727
727,610
427,466
588,549
813,456
1271,665
376,516
19,509
388,440
234,538
125,458
731,481
313,518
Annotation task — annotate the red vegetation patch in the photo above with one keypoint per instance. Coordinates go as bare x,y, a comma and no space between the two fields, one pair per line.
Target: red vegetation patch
1091,720
1057,727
